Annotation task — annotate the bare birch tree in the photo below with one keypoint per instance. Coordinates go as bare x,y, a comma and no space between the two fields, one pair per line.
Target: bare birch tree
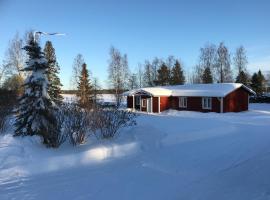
240,59
76,71
118,73
240,64
133,82
140,76
207,60
223,64
148,76
16,56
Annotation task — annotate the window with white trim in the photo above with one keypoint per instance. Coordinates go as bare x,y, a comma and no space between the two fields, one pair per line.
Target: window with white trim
144,103
207,103
182,102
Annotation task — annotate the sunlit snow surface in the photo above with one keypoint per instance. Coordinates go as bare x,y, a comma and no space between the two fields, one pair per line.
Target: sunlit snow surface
172,155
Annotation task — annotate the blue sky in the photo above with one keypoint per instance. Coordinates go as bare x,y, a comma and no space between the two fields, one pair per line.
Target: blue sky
142,29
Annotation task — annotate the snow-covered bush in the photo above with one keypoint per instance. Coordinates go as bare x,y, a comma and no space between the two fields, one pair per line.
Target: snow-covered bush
4,111
58,135
75,124
108,122
8,100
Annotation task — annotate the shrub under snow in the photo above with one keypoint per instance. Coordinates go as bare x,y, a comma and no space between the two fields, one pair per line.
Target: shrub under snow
108,122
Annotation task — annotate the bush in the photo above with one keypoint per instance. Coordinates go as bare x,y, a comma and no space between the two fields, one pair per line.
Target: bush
75,124
56,136
4,112
108,122
7,101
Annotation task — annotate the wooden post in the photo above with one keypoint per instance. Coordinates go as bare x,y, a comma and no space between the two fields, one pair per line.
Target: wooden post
221,105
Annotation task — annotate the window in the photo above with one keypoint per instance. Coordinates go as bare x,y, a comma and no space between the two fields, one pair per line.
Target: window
207,103
182,102
143,103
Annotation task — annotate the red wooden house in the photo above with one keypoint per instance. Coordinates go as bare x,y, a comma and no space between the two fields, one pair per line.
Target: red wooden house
219,97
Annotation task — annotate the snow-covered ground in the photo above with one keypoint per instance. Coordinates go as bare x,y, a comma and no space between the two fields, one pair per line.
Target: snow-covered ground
172,155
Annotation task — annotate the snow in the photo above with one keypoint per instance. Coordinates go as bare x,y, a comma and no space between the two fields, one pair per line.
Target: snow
36,61
191,90
172,155
110,98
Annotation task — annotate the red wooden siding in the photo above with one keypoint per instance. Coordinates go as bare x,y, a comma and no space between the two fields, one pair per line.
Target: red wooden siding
155,104
236,101
130,102
164,103
174,103
215,104
195,104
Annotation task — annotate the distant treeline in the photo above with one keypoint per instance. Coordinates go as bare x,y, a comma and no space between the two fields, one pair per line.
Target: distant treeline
259,99
103,91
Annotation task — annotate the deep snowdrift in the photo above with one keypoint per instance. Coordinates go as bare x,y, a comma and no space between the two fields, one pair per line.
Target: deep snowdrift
173,155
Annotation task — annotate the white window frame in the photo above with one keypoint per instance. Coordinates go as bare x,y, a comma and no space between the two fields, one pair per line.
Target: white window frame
207,103
144,103
182,102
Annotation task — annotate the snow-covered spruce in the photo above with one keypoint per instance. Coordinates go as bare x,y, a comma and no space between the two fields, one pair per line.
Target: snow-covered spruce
54,88
35,111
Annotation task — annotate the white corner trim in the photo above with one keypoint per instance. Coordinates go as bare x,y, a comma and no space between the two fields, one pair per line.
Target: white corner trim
140,103
133,102
151,104
221,105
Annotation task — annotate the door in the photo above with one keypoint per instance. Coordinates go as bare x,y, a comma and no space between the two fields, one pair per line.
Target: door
149,104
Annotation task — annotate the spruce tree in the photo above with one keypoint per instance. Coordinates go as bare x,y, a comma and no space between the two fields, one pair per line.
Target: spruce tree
261,82
85,95
35,111
207,76
243,78
163,76
177,74
54,89
257,82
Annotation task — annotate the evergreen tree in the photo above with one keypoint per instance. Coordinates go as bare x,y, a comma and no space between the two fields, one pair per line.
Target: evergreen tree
54,89
257,82
85,95
35,111
207,76
261,82
177,74
163,76
243,78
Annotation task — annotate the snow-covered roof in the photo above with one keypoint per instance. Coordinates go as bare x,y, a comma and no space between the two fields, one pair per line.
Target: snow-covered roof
192,90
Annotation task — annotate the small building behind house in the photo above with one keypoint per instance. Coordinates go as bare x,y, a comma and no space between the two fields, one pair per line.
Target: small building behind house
218,97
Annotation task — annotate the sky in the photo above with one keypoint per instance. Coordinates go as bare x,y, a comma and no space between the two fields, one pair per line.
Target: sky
143,29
